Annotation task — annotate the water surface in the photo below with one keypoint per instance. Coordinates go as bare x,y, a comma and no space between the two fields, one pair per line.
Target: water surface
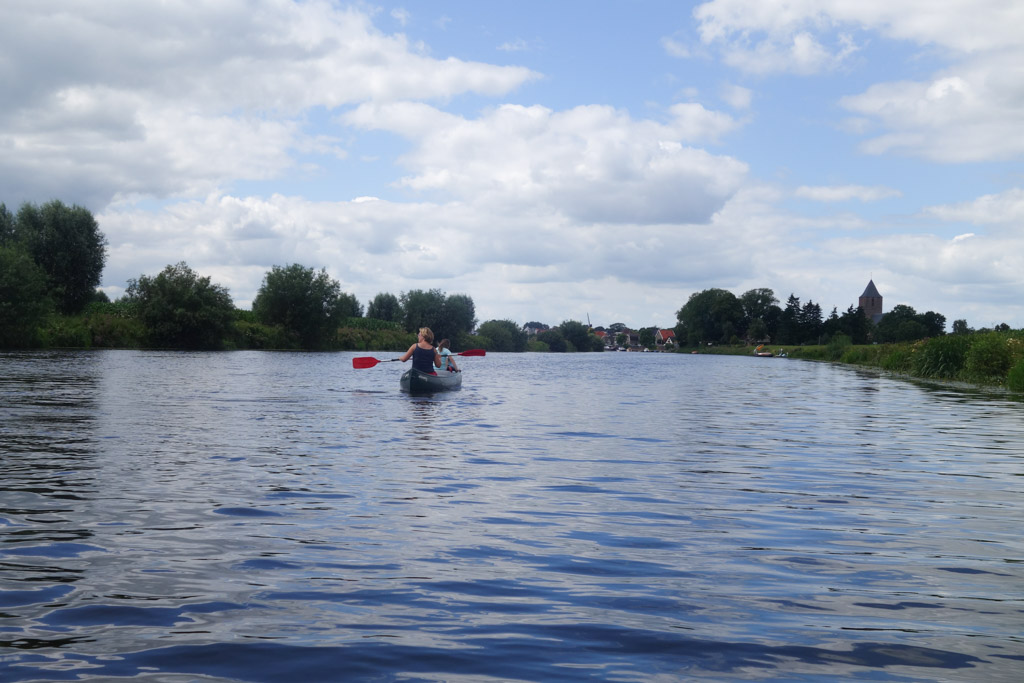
281,517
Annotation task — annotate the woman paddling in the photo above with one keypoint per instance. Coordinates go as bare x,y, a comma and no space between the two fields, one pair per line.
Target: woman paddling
424,357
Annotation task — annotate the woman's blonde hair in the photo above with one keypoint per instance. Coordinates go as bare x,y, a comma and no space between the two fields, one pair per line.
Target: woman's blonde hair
427,334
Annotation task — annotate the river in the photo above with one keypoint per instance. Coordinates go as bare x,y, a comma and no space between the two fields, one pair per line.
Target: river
258,516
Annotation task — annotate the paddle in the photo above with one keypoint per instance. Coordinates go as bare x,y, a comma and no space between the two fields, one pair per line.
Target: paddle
365,362
360,363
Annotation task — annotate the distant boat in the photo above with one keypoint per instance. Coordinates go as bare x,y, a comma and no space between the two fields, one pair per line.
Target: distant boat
762,354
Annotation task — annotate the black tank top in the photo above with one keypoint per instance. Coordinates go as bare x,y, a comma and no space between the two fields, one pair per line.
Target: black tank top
423,359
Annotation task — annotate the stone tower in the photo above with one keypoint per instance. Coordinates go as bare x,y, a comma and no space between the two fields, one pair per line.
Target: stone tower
871,302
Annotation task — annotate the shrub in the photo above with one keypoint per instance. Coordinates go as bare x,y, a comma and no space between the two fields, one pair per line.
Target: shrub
1015,378
247,334
897,360
112,331
837,346
989,359
66,331
356,339
857,355
942,357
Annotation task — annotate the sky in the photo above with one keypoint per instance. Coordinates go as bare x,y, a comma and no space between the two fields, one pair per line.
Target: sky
555,161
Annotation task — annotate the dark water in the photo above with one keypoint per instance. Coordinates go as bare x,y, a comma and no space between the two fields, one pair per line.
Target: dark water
640,517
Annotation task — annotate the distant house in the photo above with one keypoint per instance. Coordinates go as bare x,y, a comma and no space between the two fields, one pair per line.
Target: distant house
871,302
665,338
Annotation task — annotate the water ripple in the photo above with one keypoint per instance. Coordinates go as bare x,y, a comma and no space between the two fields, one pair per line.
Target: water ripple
279,517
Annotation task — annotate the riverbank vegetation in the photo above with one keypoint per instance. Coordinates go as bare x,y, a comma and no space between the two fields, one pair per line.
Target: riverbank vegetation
990,357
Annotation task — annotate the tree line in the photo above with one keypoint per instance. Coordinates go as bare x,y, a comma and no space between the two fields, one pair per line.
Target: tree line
717,316
52,257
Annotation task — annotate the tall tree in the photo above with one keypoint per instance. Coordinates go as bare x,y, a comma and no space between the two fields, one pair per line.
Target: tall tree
458,317
306,302
576,333
960,327
67,244
446,315
6,225
759,304
554,339
934,322
810,323
647,336
503,335
385,306
789,322
421,309
713,315
181,309
23,300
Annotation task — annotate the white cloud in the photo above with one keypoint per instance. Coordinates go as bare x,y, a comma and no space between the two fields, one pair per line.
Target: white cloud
401,15
170,99
971,112
675,48
1006,208
787,30
844,193
518,45
592,163
737,96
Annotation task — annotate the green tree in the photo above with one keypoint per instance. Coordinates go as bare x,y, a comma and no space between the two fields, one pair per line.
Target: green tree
647,336
760,305
961,327
789,322
554,340
713,315
757,331
903,323
448,316
307,303
854,324
421,309
6,225
934,323
810,323
23,300
385,306
577,334
182,310
458,317
349,306
67,244
503,335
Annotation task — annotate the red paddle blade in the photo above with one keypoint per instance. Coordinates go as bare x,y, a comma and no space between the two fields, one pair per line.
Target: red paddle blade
361,363
473,352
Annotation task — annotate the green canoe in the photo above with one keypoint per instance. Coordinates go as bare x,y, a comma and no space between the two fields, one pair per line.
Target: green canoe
417,382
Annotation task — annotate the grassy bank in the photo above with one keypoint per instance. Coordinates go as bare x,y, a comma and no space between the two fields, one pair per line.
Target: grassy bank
986,358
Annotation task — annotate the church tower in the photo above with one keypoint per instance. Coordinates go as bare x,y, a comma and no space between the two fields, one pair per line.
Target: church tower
871,302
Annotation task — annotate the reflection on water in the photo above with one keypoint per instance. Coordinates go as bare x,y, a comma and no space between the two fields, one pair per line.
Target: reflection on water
279,517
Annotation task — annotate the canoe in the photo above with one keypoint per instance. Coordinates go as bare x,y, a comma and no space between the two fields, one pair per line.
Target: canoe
417,382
